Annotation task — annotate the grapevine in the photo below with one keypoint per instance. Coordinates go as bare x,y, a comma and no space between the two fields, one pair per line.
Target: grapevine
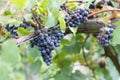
56,28
48,39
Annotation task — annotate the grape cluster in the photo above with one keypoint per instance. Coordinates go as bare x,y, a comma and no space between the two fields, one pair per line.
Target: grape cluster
24,24
78,16
65,8
105,35
46,41
56,35
100,4
92,5
12,29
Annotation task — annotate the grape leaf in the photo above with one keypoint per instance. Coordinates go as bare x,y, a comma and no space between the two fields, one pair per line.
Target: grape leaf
73,47
62,24
79,76
74,30
19,3
116,36
112,70
50,21
35,67
66,74
63,74
10,52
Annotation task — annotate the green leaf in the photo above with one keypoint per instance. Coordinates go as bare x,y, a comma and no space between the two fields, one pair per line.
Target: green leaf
19,3
79,76
72,6
112,70
62,61
65,42
22,31
117,48
35,67
63,74
55,4
62,24
7,12
73,47
10,52
50,20
103,74
30,4
73,29
66,74
116,36
34,52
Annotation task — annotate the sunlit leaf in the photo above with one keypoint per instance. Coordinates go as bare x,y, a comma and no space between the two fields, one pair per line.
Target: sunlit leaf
19,3
10,52
62,24
50,21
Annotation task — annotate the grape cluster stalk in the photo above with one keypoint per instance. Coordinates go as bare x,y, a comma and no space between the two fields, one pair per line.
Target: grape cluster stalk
105,35
46,41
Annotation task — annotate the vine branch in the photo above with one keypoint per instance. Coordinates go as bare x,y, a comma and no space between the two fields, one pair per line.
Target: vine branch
90,27
25,38
84,56
113,58
106,10
74,0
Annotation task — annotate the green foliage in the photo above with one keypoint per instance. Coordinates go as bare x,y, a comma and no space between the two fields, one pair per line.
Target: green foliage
35,67
19,3
73,47
50,20
74,30
62,22
9,48
116,37
66,74
13,59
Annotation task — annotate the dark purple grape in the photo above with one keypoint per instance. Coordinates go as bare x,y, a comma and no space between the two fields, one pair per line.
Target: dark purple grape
12,29
110,25
105,35
65,8
92,6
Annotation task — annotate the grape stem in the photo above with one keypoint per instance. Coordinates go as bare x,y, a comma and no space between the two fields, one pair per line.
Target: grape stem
25,38
101,11
75,0
84,56
8,37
